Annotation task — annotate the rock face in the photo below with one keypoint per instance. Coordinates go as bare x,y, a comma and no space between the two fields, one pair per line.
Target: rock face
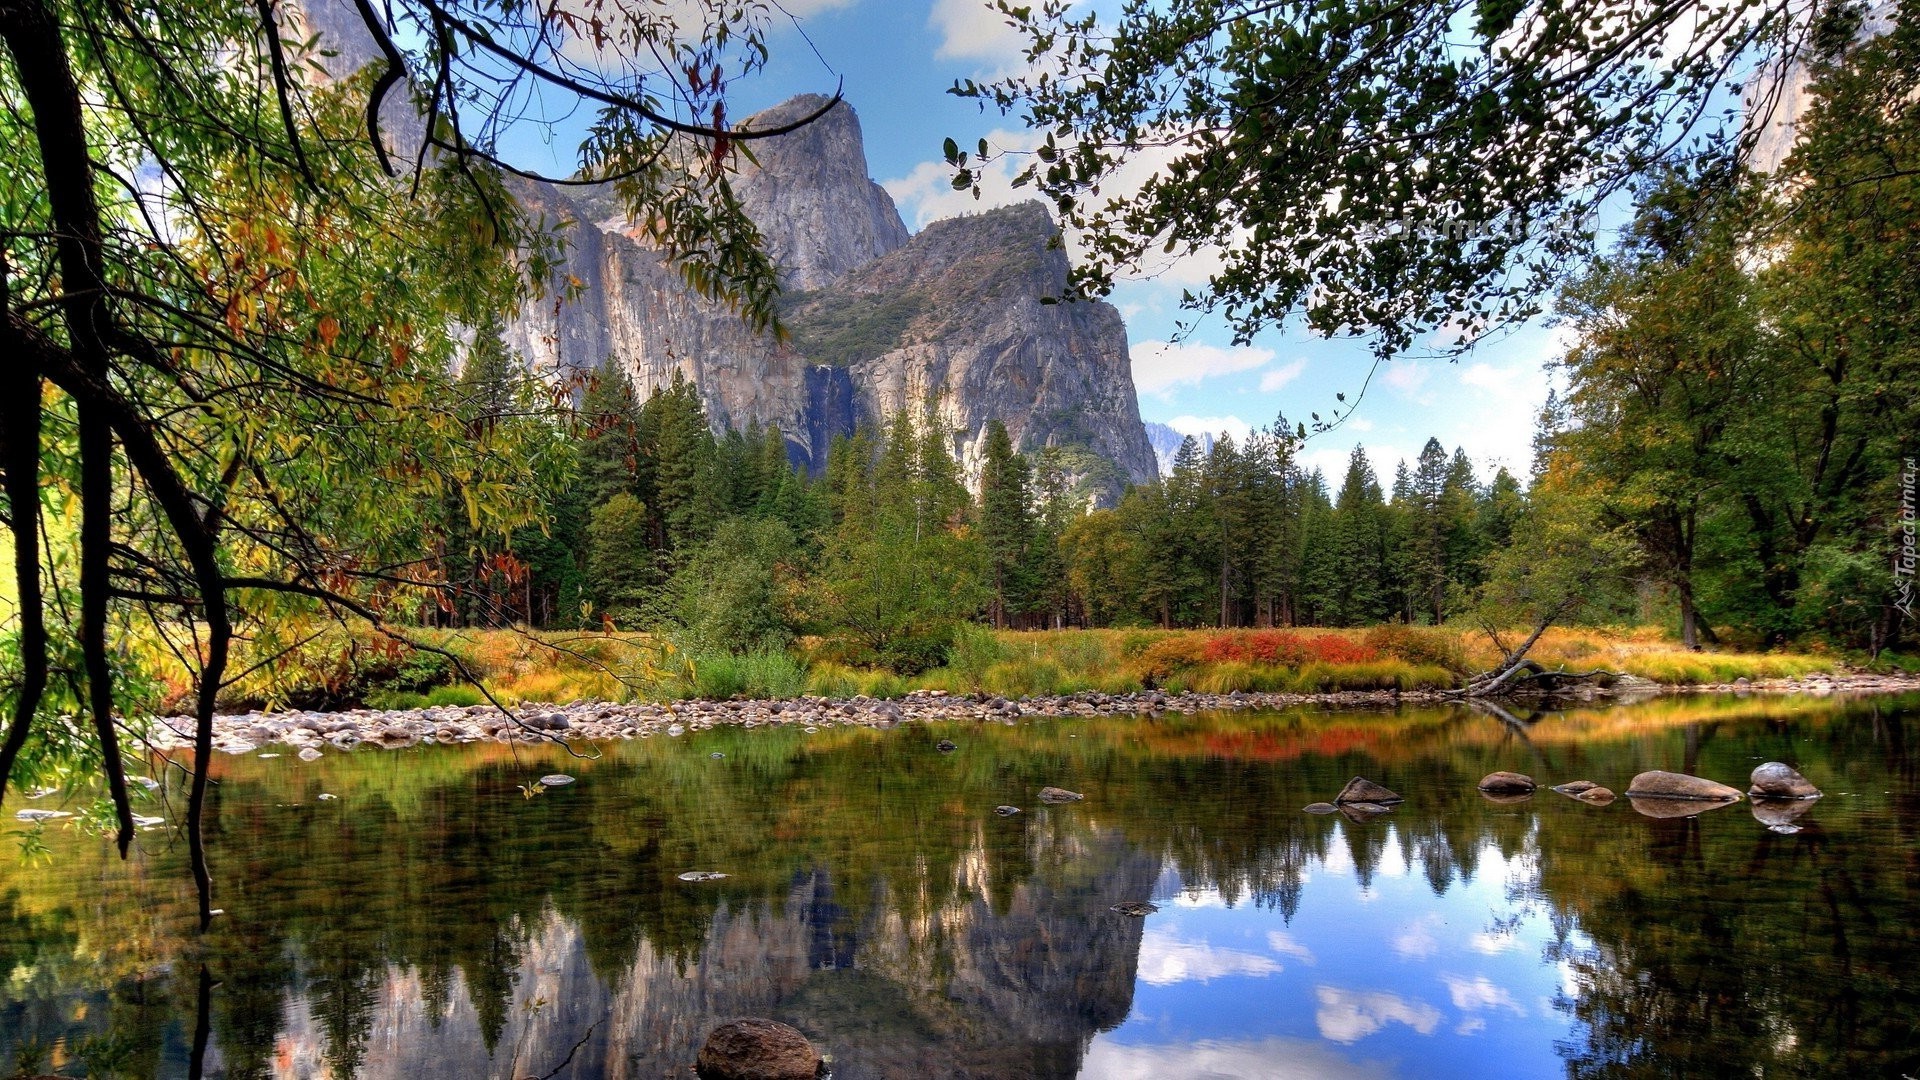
756,1049
1656,784
1775,780
1361,790
881,321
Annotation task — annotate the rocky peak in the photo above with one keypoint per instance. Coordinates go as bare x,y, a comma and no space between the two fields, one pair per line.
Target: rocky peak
810,194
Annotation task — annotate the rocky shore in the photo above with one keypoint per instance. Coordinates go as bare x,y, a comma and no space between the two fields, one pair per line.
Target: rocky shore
313,733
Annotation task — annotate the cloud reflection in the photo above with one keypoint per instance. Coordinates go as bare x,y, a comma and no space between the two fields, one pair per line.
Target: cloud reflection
1347,1016
1265,1059
1166,959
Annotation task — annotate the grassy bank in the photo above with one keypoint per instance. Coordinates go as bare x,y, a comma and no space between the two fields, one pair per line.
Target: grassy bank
341,671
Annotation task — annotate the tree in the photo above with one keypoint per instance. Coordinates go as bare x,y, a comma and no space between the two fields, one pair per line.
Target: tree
1367,165
241,370
620,559
1006,523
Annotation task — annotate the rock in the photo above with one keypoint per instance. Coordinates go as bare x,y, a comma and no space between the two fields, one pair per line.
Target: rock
1059,795
310,754
716,755
1657,784
701,875
1320,808
1574,788
326,796
1654,806
1775,780
757,1049
1781,815
1136,908
555,780
945,746
1366,807
1360,789
1507,783
547,722
1006,811
1595,796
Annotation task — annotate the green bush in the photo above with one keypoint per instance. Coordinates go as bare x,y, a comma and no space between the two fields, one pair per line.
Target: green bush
763,673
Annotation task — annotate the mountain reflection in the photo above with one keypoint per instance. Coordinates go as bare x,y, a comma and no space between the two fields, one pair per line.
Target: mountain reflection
432,922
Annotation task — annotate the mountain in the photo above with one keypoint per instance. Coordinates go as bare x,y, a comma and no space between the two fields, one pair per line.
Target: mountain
880,320
1166,443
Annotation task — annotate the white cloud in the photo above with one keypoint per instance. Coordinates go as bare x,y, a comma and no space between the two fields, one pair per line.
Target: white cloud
1266,1059
1406,377
1285,944
1282,375
1489,943
926,194
1159,366
1212,425
1166,960
1416,940
973,30
1480,994
1347,1016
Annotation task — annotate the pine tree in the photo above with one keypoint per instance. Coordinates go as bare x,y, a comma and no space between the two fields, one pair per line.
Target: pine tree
1006,523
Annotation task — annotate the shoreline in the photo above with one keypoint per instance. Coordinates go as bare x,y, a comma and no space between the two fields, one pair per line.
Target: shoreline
595,721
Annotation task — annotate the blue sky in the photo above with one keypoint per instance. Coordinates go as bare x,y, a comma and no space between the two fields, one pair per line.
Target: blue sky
898,57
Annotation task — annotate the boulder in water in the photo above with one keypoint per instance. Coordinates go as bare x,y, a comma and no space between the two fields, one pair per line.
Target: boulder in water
1573,788
1360,789
1656,784
1507,783
1059,795
757,1049
1775,780
1006,811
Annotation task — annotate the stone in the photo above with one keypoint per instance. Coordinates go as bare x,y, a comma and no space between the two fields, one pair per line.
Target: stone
1138,909
757,1049
1006,811
1654,806
1775,780
1371,808
1360,789
1059,795
1320,808
1595,796
310,754
1781,815
1658,784
701,875
1507,783
555,780
945,746
1574,788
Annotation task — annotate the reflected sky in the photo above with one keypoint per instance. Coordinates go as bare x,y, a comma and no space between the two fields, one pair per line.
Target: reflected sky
431,921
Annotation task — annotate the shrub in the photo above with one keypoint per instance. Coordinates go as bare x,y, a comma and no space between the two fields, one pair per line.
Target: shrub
763,673
1419,645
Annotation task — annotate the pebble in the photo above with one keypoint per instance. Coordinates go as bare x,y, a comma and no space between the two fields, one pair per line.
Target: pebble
701,875
309,732
556,780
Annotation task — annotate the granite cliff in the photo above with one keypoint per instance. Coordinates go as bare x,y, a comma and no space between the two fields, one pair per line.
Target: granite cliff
880,320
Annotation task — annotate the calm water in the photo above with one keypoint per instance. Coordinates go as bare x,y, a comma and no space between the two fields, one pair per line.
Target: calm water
431,921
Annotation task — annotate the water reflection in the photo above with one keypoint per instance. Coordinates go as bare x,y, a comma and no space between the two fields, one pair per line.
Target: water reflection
432,922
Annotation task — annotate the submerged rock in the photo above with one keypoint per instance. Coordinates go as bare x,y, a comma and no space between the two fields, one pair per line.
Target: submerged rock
1575,787
1775,780
1596,796
1657,784
1655,806
1781,815
701,875
555,780
1006,811
757,1049
945,746
1507,783
1361,790
1059,795
1321,808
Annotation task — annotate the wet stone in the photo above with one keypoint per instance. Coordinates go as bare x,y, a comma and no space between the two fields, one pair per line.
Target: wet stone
1321,808
1059,795
701,875
1138,909
1776,780
1006,811
1361,790
556,780
1507,783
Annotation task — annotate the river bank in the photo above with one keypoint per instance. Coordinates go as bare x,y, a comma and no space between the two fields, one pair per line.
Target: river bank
311,733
